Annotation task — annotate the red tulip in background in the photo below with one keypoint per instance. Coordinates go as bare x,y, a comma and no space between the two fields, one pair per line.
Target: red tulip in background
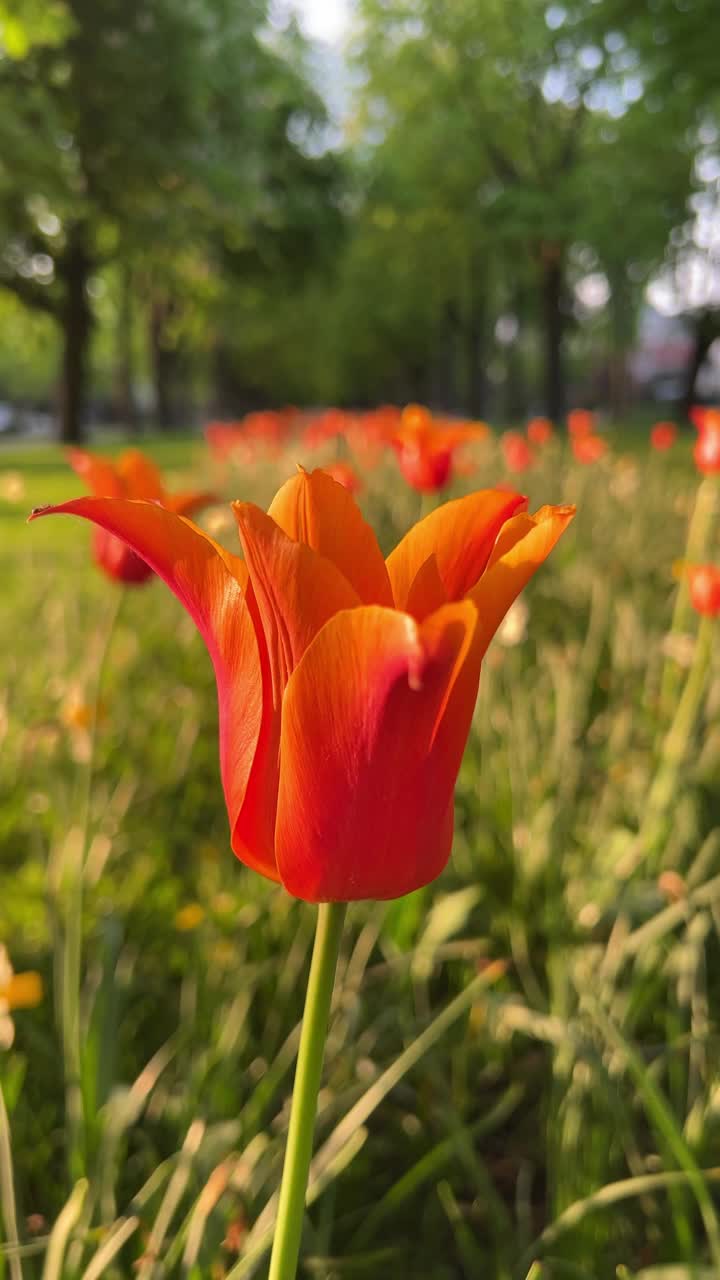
257,433
346,684
704,580
425,447
707,446
325,426
540,431
516,451
132,476
588,449
663,436
580,423
345,475
370,433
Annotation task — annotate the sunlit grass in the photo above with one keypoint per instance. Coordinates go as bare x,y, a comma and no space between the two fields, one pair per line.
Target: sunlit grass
568,1107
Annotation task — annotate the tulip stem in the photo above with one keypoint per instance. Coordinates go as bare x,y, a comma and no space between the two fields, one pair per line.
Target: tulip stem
291,1205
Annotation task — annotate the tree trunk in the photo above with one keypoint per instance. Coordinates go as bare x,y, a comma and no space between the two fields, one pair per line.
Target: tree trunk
515,392
76,320
554,324
707,329
442,388
476,380
163,360
622,330
125,405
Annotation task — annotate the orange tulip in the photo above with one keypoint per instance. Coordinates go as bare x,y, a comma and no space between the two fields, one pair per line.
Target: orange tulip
346,684
580,423
704,580
516,451
132,476
707,446
588,449
425,447
345,475
663,436
540,431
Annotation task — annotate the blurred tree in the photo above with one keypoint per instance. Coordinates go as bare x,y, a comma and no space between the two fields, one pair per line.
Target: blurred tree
128,129
513,124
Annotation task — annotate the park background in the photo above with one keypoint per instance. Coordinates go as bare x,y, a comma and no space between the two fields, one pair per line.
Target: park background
499,211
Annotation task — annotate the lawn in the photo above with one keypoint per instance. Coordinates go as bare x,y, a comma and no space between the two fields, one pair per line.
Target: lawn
523,1063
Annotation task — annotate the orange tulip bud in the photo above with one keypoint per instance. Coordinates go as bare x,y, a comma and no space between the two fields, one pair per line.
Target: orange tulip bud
704,580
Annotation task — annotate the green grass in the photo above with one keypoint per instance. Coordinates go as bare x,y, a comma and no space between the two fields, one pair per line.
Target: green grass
562,1110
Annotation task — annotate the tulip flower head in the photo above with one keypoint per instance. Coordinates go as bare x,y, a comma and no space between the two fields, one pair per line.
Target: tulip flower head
588,449
369,434
345,475
425,447
663,436
540,431
707,446
580,423
704,582
346,683
326,426
516,451
132,476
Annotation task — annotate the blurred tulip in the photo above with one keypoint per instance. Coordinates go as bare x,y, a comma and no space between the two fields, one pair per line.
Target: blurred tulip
707,446
345,475
704,582
133,476
540,431
663,436
580,423
588,449
516,451
346,684
425,447
329,425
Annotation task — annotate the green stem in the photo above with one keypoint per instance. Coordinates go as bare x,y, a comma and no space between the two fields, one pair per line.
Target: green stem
71,911
699,529
677,742
291,1206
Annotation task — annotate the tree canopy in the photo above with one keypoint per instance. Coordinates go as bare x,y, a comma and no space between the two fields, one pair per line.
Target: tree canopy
176,202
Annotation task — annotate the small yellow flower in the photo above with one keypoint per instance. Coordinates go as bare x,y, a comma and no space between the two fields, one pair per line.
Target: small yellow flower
12,486
17,991
189,917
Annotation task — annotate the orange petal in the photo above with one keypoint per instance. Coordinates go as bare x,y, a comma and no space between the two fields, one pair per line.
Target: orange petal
211,584
427,592
98,473
315,509
139,475
296,590
374,724
293,592
460,535
522,546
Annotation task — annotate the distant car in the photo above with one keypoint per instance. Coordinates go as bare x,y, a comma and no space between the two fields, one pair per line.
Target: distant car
8,422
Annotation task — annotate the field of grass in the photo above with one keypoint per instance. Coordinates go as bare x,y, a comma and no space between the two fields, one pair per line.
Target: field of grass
523,1070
